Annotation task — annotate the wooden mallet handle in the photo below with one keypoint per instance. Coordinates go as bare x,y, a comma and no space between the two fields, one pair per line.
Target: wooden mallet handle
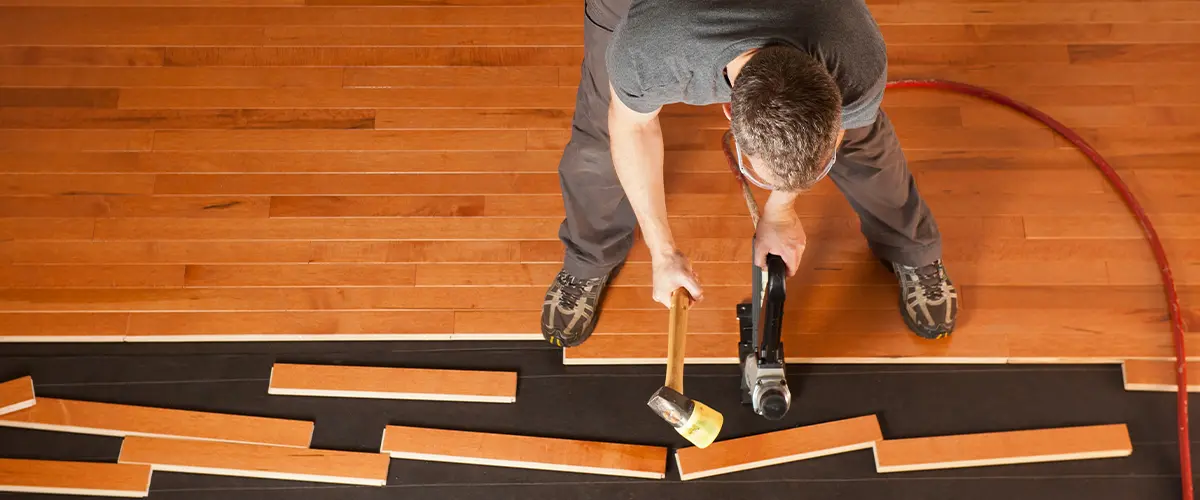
676,334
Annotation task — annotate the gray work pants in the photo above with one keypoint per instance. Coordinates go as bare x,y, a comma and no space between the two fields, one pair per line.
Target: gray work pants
871,172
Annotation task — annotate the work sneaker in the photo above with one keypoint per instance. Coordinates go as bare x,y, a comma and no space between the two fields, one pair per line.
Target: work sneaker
928,299
570,310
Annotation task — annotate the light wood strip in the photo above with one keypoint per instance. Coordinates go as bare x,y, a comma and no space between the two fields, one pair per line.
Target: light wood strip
16,394
256,460
393,383
1157,376
526,452
1002,448
780,447
107,419
57,477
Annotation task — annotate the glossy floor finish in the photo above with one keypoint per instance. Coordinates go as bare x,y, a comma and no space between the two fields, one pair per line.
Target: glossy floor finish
386,170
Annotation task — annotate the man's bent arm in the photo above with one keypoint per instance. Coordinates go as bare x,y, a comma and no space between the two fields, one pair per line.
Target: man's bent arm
637,153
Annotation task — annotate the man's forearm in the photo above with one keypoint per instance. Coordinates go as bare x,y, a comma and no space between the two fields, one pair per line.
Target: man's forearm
637,153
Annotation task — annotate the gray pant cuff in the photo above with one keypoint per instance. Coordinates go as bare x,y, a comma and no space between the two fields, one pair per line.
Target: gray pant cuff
909,256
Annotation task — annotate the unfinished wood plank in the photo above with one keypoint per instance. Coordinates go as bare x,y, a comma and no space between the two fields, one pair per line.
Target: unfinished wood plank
393,383
1002,448
108,419
16,394
256,460
525,452
774,448
57,477
1157,376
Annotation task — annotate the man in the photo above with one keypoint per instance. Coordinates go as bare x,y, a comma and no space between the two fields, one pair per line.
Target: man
803,80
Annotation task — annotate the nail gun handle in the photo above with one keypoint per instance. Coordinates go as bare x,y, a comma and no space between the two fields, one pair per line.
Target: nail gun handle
768,307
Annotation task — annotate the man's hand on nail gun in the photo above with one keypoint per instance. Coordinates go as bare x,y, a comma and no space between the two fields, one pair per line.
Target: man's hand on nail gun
671,271
781,233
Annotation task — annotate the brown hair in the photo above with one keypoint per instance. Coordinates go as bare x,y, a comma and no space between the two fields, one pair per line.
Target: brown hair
787,114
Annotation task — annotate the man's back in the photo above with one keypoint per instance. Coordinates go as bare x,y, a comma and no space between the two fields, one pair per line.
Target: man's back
674,51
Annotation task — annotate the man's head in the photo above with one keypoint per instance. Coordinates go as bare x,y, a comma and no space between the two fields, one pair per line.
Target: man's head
786,116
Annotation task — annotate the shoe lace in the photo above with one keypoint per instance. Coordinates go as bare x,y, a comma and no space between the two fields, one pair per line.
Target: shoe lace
571,291
930,278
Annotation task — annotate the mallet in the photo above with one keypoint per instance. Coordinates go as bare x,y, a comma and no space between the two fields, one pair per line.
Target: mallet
693,420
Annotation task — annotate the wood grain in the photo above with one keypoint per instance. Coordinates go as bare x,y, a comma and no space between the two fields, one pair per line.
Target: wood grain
16,394
74,478
526,452
55,98
256,460
292,326
227,119
774,448
1002,448
108,419
1157,376
393,383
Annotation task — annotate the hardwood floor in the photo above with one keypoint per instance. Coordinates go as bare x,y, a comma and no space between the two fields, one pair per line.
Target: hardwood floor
386,169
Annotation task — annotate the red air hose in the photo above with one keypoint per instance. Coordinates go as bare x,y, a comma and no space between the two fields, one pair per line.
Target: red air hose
1185,460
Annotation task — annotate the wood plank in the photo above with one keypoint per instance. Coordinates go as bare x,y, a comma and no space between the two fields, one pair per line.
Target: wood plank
286,162
298,326
360,184
1170,226
71,185
1140,53
1090,347
339,140
1157,376
78,204
226,119
16,394
74,478
39,228
452,76
428,36
1018,74
780,447
1003,448
256,460
75,140
54,98
381,56
81,56
289,16
1029,33
367,206
148,3
975,53
422,228
61,327
88,276
393,383
187,252
107,419
134,36
214,275
1026,12
373,98
178,77
525,452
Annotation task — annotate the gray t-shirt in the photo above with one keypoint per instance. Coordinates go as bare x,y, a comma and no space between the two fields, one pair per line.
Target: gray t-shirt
674,51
